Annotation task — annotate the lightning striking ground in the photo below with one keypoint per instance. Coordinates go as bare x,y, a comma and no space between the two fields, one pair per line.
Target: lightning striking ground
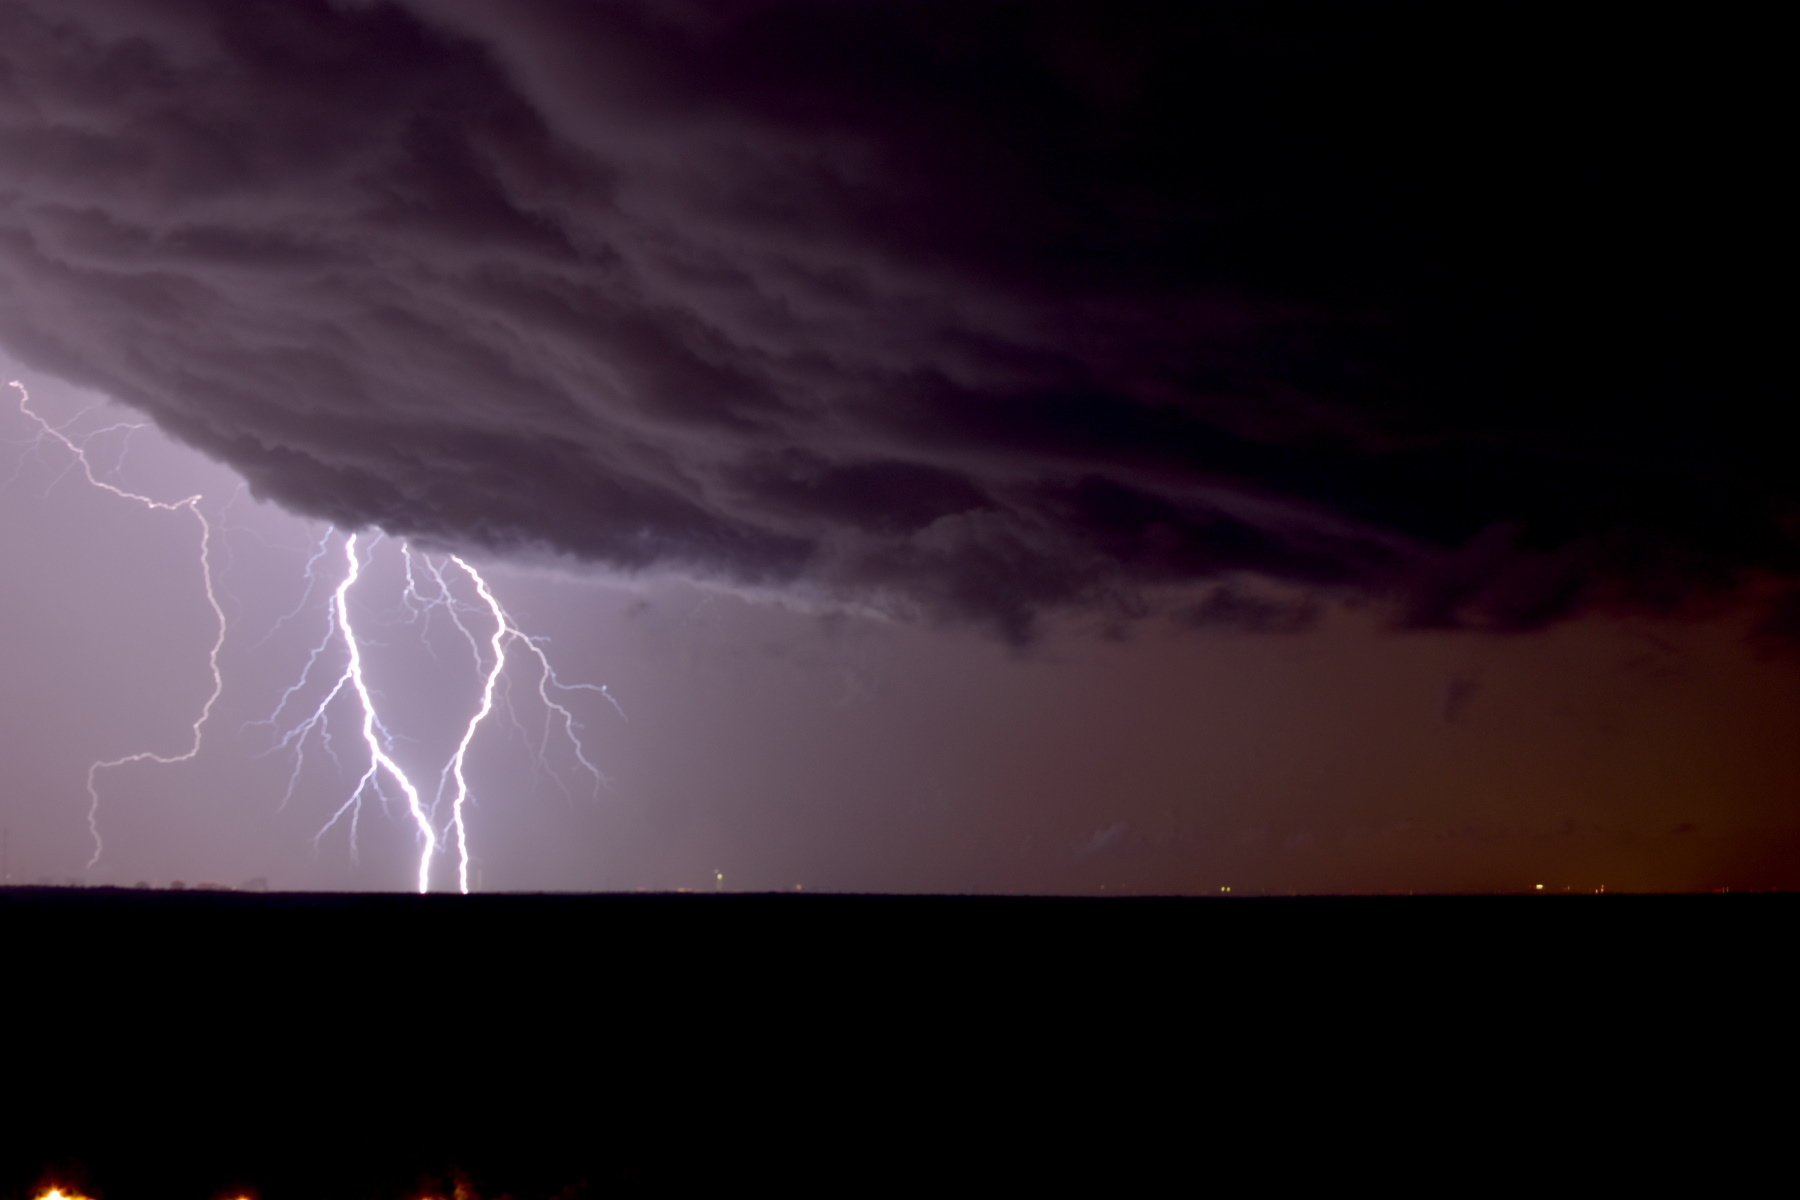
491,662
498,646
378,755
192,506
421,602
505,633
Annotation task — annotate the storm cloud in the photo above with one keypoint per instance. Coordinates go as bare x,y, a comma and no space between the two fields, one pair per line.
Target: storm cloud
977,311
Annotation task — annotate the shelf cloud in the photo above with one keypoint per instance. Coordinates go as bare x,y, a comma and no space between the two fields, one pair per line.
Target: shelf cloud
977,312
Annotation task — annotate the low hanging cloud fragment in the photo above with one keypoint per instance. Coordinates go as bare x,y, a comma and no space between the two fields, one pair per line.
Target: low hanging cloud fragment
972,311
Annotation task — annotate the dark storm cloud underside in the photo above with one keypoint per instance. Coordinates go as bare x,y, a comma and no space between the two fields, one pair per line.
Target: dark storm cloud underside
979,308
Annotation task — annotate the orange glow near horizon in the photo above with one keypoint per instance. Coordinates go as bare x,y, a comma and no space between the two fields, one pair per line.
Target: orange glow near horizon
462,1192
59,1194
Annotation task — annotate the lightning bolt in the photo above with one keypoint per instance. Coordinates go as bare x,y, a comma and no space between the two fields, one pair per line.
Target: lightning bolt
505,633
296,735
374,732
380,759
191,505
502,627
418,600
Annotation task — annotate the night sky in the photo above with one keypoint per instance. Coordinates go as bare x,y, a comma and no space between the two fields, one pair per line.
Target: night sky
994,447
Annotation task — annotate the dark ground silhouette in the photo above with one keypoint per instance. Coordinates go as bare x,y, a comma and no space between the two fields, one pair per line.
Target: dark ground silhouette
346,1046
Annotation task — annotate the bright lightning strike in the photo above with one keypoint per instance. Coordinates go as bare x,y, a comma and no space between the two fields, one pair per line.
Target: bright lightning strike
491,663
191,505
380,759
501,628
505,632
